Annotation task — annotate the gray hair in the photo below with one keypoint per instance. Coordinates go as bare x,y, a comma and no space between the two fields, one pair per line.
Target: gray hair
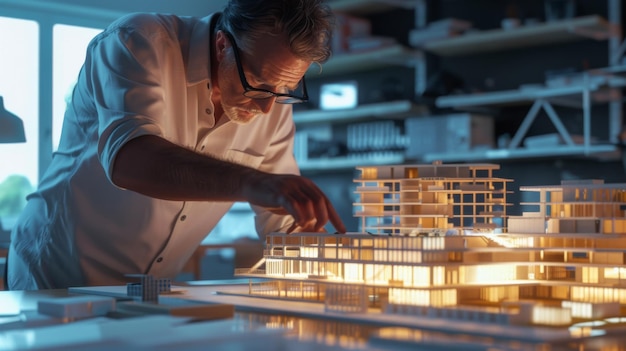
307,24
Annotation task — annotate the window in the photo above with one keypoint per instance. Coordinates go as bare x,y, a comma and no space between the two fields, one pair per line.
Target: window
69,44
19,87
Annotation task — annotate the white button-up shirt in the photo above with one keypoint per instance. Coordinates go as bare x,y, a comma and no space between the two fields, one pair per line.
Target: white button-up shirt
146,74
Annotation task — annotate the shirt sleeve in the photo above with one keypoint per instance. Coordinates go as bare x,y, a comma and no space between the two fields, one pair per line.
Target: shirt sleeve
124,69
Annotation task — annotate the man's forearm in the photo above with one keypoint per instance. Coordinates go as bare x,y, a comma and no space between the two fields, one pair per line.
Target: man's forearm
155,167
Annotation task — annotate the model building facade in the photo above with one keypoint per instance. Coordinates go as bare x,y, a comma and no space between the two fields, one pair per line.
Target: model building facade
430,199
436,242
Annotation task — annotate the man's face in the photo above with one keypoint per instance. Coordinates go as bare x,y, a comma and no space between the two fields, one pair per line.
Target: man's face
267,64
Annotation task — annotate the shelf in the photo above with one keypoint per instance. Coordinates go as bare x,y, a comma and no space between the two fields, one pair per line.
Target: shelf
579,28
362,61
598,80
364,7
396,109
591,86
601,152
607,152
345,163
513,96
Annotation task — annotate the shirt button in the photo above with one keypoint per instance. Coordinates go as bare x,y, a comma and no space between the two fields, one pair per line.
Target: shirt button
159,260
183,217
208,111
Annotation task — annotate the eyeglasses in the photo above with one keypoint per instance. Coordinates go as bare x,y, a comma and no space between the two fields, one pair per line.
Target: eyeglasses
290,97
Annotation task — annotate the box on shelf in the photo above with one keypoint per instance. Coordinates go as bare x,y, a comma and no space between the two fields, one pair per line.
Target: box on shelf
442,29
347,27
551,140
451,133
370,42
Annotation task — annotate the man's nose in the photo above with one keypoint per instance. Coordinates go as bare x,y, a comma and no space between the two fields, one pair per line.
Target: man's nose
266,104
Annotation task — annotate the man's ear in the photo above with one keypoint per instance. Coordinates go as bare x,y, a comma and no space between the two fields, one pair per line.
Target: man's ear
221,42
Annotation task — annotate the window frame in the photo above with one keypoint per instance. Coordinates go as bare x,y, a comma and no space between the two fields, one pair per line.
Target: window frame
47,15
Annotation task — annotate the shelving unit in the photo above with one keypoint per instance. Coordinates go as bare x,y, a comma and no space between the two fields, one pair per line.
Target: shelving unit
371,112
525,95
355,62
361,61
601,83
594,27
392,109
541,97
363,7
350,163
385,56
593,86
602,152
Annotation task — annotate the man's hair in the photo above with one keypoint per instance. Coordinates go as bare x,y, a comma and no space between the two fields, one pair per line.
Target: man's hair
307,24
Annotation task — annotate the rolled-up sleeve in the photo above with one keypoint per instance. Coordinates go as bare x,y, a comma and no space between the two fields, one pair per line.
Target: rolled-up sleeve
127,83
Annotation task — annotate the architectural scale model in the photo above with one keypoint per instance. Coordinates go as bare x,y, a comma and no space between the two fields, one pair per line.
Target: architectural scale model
436,242
148,288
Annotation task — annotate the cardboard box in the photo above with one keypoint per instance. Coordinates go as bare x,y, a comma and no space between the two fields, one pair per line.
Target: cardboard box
452,133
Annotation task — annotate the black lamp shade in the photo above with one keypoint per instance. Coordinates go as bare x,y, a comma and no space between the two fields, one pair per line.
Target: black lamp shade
11,126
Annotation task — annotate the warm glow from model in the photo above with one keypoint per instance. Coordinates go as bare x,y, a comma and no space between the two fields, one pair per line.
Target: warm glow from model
415,297
615,273
436,245
489,273
579,309
354,272
377,274
551,315
598,294
590,274
499,293
312,252
508,241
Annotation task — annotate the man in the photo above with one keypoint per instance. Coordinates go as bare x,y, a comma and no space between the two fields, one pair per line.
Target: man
171,121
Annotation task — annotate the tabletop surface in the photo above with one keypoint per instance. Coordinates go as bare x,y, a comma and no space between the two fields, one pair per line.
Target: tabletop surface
259,323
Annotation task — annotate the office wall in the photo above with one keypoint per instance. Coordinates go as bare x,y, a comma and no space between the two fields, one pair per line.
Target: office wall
181,7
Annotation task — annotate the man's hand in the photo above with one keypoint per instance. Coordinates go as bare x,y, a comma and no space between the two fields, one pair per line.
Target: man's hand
294,195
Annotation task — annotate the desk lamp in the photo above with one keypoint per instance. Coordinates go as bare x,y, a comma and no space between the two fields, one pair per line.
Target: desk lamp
11,126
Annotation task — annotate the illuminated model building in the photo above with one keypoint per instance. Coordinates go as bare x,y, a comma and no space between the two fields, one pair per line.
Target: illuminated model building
436,242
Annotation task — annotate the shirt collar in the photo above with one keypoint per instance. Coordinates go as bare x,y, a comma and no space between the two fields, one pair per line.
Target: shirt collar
199,66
